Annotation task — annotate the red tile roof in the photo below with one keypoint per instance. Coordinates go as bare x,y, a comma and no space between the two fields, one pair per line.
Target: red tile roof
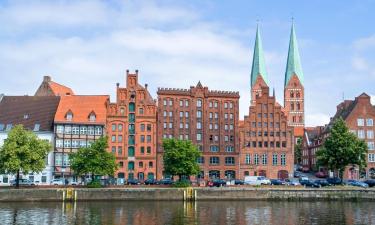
81,106
60,90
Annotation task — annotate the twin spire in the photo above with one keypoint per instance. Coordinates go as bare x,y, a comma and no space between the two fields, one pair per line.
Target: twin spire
293,66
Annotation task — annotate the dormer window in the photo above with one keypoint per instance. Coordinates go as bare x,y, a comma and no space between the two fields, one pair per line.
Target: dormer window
92,117
36,127
26,116
69,116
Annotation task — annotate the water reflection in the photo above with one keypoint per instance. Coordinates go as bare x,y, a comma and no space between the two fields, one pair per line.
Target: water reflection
176,213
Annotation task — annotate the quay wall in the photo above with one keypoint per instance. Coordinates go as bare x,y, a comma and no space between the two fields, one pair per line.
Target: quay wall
181,194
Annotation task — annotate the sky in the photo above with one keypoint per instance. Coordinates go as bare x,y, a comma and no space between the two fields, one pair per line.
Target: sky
88,46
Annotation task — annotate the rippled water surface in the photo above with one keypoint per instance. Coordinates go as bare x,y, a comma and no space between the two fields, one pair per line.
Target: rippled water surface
207,212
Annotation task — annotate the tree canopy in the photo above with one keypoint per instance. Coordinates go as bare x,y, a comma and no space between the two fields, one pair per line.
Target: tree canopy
23,152
342,148
298,151
94,160
180,157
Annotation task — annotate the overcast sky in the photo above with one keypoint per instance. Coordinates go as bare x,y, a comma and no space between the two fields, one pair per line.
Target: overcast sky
88,45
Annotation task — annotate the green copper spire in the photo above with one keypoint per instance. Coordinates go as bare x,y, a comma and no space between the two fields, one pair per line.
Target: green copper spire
293,65
259,67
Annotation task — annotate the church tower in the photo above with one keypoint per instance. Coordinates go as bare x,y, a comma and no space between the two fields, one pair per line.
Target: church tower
258,78
294,94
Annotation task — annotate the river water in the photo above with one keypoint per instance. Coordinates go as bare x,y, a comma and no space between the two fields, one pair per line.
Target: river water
176,213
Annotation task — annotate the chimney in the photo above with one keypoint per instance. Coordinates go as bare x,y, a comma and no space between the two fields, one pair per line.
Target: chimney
136,72
117,84
146,85
127,72
46,79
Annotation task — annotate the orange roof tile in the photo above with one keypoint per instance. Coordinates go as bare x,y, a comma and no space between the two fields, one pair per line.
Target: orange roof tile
60,90
81,107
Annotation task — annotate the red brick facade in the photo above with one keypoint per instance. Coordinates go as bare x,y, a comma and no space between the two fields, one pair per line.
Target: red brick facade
266,140
209,119
131,130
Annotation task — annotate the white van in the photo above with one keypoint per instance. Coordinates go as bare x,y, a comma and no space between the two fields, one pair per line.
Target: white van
256,180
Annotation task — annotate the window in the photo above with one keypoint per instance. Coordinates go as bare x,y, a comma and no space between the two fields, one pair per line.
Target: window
82,143
256,159
226,116
142,150
149,127
113,139
215,104
113,149
370,122
170,114
264,159
186,137
120,138
75,143
361,134
214,160
181,114
211,126
91,130
69,116
225,105
181,125
371,157
58,159
92,117
66,160
68,129
186,103
98,130
122,111
283,159
229,160
181,103
247,159
360,122
214,148
164,102
67,143
216,115
170,125
226,127
199,125
231,116
131,151
274,159
148,138
114,127
83,130
60,129
148,150
119,150
142,139
165,113
140,111
199,114
229,148
150,164
187,114
210,104
200,160
59,143
140,164
211,114
216,126
231,105
199,103
170,102
199,137
226,138
142,127
186,125
370,145
370,134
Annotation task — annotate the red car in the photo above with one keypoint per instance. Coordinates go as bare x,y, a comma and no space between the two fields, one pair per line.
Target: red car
321,174
305,169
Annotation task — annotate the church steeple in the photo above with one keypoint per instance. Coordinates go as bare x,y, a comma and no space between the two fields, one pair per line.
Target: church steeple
259,67
293,66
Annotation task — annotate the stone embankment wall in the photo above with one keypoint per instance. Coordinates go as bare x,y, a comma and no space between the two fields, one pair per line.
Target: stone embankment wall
180,194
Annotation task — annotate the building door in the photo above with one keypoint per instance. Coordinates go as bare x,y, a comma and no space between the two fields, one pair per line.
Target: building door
141,176
282,174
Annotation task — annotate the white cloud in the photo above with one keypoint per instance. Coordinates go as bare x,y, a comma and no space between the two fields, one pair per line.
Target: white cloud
360,63
315,119
365,43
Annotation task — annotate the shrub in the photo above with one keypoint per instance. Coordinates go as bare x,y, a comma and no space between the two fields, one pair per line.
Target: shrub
94,184
182,183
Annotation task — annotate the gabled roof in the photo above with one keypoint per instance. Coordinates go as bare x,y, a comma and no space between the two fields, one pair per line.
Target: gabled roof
259,66
293,66
81,106
60,90
28,111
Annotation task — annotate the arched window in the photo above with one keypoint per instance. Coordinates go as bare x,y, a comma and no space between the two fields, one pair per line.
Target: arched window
298,94
131,166
122,111
298,106
131,151
292,94
199,103
92,116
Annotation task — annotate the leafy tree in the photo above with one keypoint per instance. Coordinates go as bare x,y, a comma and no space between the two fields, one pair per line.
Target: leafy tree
298,151
23,152
94,160
342,148
180,157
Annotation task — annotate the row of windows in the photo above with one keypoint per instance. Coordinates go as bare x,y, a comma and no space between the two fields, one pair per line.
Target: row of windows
266,144
216,148
361,122
131,165
143,138
62,159
214,160
298,95
69,116
361,134
67,143
215,104
265,134
131,151
265,124
264,159
298,106
83,130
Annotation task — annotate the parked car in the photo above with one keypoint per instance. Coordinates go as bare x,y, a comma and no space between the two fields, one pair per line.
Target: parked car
322,183
334,181
297,175
23,182
321,174
305,169
74,183
133,182
277,182
309,183
371,183
292,182
239,182
217,183
57,182
256,180
166,181
356,183
151,182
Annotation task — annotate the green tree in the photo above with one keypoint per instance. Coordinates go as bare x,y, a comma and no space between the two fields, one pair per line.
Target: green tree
180,157
23,152
94,160
298,151
342,148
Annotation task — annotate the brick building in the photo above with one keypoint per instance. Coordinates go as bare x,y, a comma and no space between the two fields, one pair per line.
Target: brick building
266,139
131,128
294,92
209,119
312,141
51,88
359,116
79,121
